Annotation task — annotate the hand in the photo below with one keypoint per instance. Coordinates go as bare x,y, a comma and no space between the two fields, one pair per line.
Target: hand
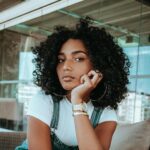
88,83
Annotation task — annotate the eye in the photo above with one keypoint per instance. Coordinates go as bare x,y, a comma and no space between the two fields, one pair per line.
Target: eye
79,59
60,60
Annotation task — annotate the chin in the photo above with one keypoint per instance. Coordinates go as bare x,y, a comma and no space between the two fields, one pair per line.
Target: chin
69,87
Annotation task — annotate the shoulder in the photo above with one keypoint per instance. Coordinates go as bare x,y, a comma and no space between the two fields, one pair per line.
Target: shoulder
108,114
40,94
41,107
40,99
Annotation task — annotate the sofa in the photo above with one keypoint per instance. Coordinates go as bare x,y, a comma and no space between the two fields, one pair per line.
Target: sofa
9,140
13,118
132,136
126,137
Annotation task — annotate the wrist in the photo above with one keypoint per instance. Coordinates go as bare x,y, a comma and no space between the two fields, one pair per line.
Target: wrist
75,101
81,107
80,113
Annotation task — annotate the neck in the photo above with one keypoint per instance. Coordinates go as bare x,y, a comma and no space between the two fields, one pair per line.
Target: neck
69,95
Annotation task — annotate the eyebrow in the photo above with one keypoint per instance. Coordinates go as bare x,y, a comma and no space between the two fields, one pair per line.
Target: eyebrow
75,52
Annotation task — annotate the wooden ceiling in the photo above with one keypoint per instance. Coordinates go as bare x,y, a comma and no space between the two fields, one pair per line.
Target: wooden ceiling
5,4
120,17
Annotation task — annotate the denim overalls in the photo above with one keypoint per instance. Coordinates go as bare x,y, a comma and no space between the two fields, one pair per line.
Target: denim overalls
56,143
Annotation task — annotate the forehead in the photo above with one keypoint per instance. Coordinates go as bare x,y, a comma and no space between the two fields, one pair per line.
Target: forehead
73,45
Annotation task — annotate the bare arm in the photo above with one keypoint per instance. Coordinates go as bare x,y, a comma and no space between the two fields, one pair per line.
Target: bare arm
38,135
105,131
88,137
93,139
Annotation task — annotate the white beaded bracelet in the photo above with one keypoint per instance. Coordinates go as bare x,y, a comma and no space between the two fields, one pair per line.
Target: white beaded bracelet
79,113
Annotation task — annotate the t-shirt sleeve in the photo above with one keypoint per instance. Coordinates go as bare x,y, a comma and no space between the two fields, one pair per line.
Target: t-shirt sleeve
108,114
41,107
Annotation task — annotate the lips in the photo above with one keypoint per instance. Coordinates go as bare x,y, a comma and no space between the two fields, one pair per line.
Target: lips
67,78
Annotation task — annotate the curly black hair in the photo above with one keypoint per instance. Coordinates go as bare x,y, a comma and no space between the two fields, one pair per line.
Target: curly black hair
105,54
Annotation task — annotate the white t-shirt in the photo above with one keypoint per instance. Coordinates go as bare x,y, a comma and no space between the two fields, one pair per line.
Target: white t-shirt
41,107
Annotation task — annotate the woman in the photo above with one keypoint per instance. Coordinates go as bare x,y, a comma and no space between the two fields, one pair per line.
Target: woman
82,73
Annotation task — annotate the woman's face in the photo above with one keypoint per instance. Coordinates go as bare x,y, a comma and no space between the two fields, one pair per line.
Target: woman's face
73,62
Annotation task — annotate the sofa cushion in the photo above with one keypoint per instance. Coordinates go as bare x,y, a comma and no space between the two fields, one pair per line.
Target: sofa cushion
132,137
126,137
9,140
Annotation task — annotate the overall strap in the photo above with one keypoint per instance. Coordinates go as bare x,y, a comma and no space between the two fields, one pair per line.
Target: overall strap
55,116
96,116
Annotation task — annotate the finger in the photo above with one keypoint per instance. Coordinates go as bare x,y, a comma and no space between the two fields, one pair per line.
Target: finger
99,73
98,80
94,73
91,74
84,79
96,76
93,77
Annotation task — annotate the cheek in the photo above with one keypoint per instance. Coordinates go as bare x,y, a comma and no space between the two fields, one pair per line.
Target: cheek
58,71
83,70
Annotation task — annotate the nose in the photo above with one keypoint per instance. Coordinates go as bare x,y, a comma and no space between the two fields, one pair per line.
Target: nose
67,65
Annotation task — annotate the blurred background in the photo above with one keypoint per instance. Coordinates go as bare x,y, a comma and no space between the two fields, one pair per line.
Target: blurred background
25,23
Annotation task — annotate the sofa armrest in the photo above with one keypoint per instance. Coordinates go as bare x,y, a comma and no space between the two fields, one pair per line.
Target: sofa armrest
132,136
9,140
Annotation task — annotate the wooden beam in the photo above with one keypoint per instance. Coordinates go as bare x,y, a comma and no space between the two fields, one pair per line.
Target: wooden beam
5,4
